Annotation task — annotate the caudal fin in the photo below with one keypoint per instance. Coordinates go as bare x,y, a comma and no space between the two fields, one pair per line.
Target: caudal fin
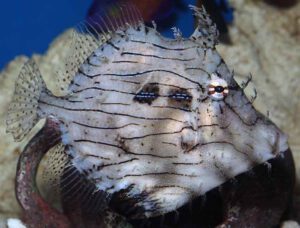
22,112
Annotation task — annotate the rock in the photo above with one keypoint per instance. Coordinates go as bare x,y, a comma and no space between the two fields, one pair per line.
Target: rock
290,224
266,43
15,223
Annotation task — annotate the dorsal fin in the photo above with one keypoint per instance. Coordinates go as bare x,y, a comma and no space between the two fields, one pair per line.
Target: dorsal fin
206,31
91,34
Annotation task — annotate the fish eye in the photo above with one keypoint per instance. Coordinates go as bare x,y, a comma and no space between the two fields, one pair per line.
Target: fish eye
218,89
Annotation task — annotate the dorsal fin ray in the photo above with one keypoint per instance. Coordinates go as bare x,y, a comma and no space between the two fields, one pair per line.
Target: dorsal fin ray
206,31
91,34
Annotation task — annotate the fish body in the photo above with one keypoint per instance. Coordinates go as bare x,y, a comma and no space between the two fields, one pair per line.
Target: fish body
150,123
142,117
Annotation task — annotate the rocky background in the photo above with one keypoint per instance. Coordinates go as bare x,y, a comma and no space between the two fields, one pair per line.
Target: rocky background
265,43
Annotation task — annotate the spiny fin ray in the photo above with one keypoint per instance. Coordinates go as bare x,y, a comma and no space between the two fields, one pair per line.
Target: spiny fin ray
206,31
79,192
90,35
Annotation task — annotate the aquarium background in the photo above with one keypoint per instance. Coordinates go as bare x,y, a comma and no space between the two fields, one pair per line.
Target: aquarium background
28,27
265,41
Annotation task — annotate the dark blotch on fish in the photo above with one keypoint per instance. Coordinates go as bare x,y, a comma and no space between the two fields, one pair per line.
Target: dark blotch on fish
147,95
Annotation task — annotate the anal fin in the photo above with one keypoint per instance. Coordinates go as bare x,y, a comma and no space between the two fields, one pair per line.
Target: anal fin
80,193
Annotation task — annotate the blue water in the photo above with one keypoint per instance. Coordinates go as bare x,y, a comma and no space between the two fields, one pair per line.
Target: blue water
29,26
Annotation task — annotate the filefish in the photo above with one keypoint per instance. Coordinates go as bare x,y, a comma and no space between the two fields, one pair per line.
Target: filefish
153,131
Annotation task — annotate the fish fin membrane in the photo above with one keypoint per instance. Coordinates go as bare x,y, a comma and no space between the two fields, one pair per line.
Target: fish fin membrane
79,193
22,112
206,31
50,172
89,35
63,183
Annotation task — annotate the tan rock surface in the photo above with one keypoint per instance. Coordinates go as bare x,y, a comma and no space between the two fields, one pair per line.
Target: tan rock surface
266,43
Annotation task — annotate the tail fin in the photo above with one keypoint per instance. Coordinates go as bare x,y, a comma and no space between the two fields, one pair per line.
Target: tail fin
22,112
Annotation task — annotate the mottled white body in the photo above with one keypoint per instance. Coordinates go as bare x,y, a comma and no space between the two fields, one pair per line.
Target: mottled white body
163,149
172,152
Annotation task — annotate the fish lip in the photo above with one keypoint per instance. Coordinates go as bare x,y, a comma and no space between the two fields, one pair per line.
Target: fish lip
279,142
